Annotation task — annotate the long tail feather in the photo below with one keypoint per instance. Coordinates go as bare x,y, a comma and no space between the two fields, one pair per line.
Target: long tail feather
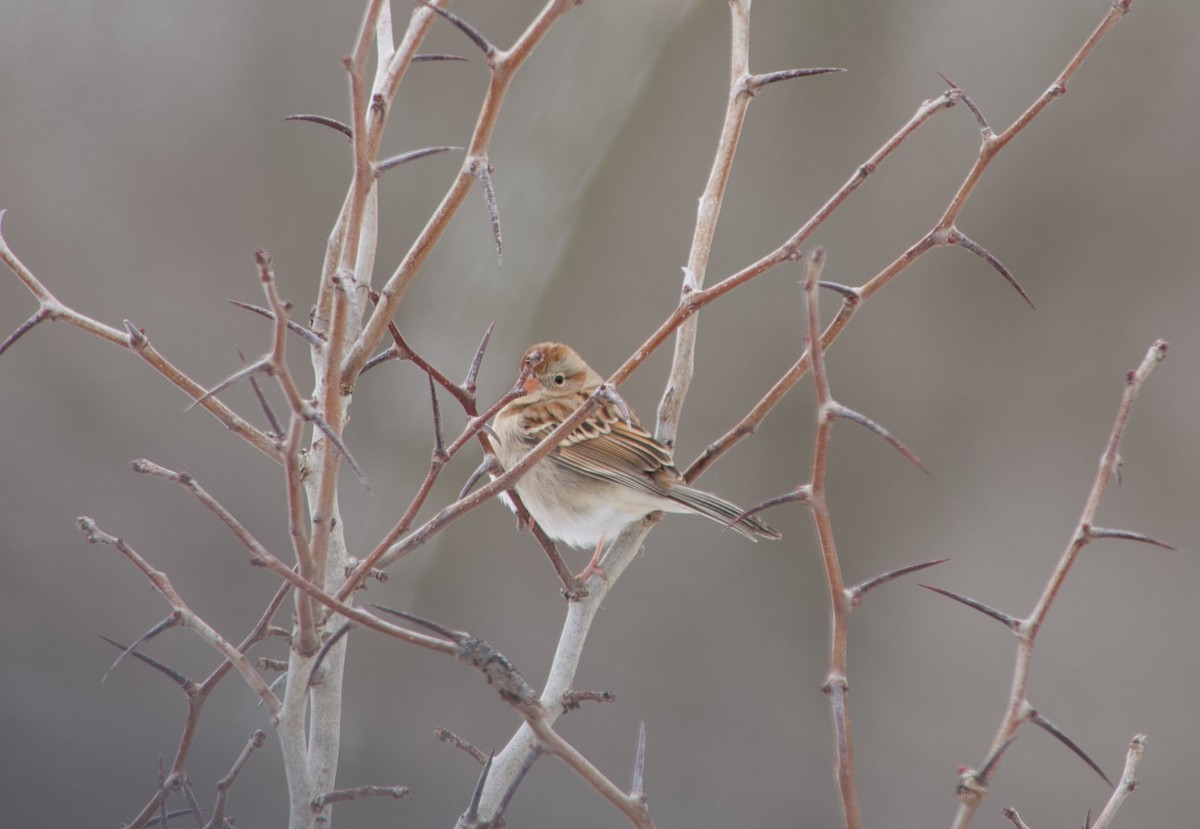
722,511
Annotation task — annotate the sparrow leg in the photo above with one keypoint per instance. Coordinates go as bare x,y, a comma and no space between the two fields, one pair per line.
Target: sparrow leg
594,567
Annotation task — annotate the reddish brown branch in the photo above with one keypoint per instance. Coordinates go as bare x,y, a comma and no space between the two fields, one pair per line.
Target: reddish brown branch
132,339
186,616
836,682
225,784
262,557
1026,629
503,65
943,232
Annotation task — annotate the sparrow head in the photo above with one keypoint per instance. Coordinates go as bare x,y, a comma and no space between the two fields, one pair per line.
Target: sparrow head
558,370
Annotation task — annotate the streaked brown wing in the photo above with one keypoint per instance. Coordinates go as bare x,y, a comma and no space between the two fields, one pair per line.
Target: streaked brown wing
606,448
603,446
625,444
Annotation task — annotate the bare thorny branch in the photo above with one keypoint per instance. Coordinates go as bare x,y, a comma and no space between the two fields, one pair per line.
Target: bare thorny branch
133,339
346,332
196,692
693,298
973,788
338,310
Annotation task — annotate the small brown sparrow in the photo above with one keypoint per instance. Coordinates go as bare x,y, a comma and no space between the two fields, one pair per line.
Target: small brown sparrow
604,475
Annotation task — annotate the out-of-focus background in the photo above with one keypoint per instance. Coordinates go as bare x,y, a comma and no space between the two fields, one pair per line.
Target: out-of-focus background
144,157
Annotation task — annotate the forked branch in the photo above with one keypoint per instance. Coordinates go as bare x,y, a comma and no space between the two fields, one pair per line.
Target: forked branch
132,338
1026,629
944,232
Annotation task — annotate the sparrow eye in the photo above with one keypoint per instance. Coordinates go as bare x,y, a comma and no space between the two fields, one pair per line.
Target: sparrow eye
559,379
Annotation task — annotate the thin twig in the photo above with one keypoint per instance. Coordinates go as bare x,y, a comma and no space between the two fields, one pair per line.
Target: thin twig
1018,710
742,88
572,699
1011,815
836,681
633,806
943,233
387,547
197,694
394,792
447,736
132,339
1126,785
225,784
502,65
94,534
261,556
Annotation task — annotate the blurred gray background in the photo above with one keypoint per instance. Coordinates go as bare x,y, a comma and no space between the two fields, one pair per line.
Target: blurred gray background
143,158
